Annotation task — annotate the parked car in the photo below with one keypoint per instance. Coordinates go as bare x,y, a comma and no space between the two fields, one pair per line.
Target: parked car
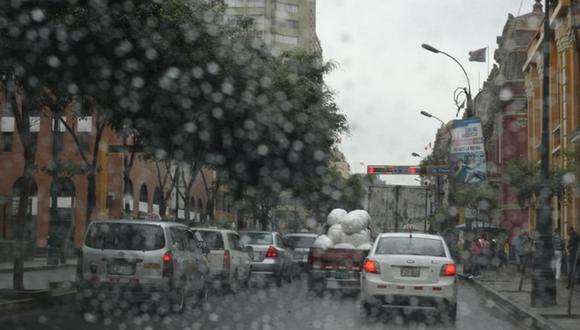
229,261
271,257
140,261
409,271
300,244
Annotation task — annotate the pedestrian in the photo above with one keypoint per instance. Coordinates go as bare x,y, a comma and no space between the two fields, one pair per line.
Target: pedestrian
572,248
485,246
557,259
519,248
476,255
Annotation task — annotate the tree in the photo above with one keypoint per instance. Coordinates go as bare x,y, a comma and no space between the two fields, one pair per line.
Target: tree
478,198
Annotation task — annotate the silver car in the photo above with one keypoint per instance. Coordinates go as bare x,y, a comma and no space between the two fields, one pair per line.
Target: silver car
300,243
271,257
154,263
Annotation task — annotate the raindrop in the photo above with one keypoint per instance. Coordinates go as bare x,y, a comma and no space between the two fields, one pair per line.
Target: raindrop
53,61
218,113
506,94
213,68
569,178
262,150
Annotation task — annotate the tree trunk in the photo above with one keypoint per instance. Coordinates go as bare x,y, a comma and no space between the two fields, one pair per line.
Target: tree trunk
18,275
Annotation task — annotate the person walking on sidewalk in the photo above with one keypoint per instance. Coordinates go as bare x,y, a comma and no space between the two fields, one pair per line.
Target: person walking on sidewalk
476,256
557,259
519,247
572,247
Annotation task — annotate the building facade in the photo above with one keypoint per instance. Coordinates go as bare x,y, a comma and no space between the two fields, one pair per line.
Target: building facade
286,25
117,196
564,106
502,106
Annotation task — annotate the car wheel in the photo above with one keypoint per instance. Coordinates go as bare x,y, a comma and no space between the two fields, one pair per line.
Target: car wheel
280,278
178,303
289,274
452,312
235,283
247,282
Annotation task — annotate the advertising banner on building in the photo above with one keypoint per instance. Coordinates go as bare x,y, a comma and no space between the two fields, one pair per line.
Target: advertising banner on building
468,164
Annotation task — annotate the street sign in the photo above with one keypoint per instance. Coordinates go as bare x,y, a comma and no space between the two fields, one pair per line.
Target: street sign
408,170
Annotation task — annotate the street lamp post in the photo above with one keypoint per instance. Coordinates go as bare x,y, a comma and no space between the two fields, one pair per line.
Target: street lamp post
543,282
428,115
469,108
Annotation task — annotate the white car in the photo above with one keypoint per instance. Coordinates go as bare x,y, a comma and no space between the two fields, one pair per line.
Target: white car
229,261
138,262
409,272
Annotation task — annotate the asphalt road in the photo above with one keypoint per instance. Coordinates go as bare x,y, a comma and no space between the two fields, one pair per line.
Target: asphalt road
290,307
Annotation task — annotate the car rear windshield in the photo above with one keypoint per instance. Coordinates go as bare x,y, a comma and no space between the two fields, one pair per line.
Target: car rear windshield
213,239
300,241
257,238
125,236
410,246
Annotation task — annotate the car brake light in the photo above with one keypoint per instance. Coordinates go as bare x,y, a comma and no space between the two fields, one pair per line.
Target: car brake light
272,252
448,270
372,266
226,260
167,264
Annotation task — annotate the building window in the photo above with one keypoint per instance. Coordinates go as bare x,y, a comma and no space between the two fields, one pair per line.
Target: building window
286,39
286,8
7,140
245,3
84,141
286,23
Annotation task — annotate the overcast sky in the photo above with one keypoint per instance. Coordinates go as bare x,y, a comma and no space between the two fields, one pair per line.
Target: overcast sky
385,78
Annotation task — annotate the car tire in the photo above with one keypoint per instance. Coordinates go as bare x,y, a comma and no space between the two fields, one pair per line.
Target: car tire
279,278
235,283
450,314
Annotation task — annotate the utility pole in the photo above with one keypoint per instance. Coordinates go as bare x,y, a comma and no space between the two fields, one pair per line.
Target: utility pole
397,190
543,282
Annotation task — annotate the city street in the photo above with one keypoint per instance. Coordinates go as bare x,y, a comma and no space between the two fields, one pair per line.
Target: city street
290,307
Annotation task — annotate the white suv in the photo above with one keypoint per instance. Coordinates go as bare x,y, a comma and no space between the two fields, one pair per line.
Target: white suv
409,272
154,263
229,261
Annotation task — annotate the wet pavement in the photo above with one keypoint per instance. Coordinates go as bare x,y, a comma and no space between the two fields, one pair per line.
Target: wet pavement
289,307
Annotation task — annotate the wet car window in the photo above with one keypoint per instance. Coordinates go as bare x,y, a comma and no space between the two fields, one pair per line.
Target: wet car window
257,238
125,237
410,246
214,240
300,242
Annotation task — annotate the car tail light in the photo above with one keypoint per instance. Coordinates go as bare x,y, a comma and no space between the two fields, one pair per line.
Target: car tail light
448,270
272,252
227,260
167,264
372,266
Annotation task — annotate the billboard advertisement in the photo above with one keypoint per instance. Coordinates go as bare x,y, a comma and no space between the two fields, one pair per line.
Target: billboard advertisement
468,164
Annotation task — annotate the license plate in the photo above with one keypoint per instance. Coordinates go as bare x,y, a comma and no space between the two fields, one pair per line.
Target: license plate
120,268
410,272
341,275
151,266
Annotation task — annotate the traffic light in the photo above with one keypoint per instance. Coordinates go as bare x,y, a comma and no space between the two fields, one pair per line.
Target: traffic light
408,170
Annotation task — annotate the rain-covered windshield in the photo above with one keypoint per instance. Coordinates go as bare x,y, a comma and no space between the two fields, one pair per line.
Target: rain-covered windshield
251,120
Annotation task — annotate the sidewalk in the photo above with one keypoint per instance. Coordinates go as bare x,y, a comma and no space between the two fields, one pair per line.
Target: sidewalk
37,264
506,283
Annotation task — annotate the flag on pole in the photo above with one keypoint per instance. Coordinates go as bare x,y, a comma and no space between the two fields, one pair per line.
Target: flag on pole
477,55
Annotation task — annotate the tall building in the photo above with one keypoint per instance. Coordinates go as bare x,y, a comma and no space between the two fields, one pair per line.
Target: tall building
564,106
502,106
285,25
